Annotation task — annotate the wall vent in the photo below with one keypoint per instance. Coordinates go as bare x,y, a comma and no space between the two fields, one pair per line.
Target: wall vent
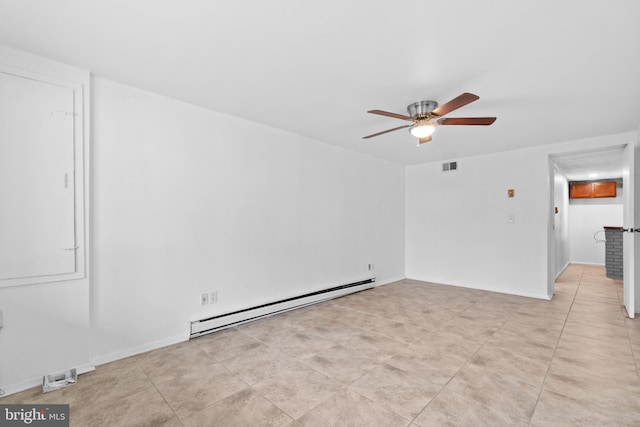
56,381
449,166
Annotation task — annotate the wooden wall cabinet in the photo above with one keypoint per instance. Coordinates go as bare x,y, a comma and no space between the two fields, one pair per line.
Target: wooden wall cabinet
592,190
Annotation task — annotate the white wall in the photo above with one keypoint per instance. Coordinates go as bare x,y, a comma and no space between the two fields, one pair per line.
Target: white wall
46,325
457,229
187,200
586,217
561,221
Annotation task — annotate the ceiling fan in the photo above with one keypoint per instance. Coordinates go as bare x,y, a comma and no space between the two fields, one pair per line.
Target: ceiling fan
426,115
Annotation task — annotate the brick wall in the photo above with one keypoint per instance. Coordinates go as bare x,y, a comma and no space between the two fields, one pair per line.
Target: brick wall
613,254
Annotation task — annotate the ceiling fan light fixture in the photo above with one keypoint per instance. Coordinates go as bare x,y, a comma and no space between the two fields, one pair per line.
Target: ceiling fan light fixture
422,130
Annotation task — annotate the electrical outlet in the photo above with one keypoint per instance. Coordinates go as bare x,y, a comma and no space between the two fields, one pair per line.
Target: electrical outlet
204,298
213,297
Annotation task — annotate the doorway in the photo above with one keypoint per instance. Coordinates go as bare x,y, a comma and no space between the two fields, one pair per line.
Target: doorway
574,224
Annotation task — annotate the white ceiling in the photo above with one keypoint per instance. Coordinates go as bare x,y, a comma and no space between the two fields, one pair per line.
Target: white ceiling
592,165
549,70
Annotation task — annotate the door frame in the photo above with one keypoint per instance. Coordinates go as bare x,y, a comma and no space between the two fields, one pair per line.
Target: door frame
635,187
630,221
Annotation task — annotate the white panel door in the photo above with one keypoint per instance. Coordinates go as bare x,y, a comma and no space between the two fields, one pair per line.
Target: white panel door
628,176
37,236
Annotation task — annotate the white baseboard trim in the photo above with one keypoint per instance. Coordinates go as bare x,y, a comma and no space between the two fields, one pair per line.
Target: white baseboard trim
388,281
562,270
587,263
112,357
489,289
35,382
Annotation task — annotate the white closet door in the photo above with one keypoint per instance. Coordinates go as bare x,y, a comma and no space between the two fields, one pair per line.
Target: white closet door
629,240
37,236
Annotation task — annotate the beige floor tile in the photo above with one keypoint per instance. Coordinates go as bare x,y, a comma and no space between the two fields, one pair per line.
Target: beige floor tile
591,389
485,315
450,409
172,363
297,390
581,344
447,342
225,344
329,329
509,364
375,346
430,321
539,347
368,322
134,360
593,355
406,331
263,329
245,408
545,335
608,320
32,395
471,330
331,310
534,321
350,409
555,410
288,339
512,399
431,308
197,390
434,364
92,388
144,408
609,333
543,310
403,393
379,356
633,328
257,364
300,344
342,364
587,307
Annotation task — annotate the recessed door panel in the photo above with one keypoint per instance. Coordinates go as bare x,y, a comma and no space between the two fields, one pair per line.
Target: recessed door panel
37,236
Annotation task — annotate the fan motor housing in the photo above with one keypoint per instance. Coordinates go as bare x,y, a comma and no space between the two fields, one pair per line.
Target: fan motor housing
421,107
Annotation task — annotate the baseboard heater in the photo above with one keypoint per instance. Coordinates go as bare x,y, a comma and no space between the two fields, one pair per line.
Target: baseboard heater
216,323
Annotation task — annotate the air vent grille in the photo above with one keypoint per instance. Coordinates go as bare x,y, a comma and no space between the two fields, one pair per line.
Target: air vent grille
449,166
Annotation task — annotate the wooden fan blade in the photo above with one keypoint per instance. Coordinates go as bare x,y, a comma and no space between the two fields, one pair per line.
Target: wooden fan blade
388,114
469,121
425,139
455,103
385,131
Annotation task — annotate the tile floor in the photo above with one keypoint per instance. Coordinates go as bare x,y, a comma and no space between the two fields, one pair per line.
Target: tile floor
405,354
